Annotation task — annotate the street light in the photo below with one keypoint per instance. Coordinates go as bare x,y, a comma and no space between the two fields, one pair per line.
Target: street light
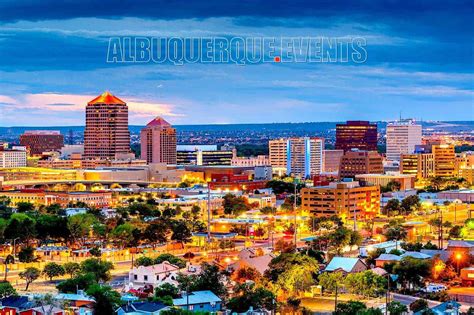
14,247
458,259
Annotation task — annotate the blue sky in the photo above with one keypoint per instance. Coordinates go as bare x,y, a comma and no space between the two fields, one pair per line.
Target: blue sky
419,61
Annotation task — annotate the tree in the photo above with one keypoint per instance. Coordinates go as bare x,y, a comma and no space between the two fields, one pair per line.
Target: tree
20,226
396,308
8,260
124,233
246,273
26,254
100,269
410,203
209,279
181,232
25,206
350,308
52,270
78,282
6,290
79,226
235,205
366,283
340,238
395,231
95,252
71,268
156,232
144,261
418,305
249,295
166,289
392,207
456,232
181,263
411,271
106,299
30,275
329,281
51,226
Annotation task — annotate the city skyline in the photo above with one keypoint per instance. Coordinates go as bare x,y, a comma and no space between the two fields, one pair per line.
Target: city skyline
53,61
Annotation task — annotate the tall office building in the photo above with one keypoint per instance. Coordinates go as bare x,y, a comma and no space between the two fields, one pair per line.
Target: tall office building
39,141
158,142
356,162
360,135
302,157
402,137
106,135
444,160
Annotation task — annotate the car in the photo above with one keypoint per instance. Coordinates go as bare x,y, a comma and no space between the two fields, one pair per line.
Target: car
434,287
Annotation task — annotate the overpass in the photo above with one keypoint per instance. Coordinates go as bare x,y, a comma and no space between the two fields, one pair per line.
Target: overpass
81,184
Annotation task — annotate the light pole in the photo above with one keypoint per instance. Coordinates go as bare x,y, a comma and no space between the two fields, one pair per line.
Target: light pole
387,296
14,246
294,209
209,212
458,258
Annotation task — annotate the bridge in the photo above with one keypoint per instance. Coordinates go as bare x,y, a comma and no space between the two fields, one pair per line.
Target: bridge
81,185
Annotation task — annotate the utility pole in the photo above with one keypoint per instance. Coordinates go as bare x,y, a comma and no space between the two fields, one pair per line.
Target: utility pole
294,209
387,295
335,300
209,212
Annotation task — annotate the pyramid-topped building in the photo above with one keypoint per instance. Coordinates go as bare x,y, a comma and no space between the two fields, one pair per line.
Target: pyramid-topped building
158,142
106,135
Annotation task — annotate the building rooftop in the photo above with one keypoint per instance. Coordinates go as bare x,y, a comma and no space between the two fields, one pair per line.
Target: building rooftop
389,257
158,121
197,297
344,263
106,98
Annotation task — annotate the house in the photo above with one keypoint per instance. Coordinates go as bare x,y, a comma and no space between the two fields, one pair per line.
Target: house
250,258
78,301
385,259
73,211
154,275
416,255
467,276
388,246
205,301
147,308
44,310
446,308
379,271
13,305
346,265
465,248
442,254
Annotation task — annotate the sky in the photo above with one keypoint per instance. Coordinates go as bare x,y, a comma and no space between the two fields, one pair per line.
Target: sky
420,61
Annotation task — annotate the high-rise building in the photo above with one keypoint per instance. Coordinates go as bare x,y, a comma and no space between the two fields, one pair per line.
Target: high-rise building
204,155
347,200
331,160
422,165
444,160
356,162
39,141
402,137
360,135
302,157
158,142
106,135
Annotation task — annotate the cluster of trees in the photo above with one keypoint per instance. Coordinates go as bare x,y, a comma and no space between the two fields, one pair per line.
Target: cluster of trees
236,205
359,308
406,206
334,236
147,261
365,284
137,222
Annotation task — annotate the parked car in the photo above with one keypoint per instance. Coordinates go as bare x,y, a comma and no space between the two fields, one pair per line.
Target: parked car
434,287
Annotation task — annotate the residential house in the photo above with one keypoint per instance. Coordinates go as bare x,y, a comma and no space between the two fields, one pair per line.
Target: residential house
146,308
446,308
385,259
346,265
251,258
154,275
205,301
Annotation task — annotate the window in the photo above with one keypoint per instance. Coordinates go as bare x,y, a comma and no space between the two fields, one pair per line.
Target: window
135,277
145,278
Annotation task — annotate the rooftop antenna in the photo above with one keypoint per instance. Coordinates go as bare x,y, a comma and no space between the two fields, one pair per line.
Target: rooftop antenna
400,116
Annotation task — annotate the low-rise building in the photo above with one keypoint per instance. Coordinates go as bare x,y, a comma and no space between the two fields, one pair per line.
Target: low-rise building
12,158
259,160
356,162
154,275
348,200
406,181
346,265
41,197
199,301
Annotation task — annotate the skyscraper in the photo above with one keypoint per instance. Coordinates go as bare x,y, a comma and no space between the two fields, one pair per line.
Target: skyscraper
158,142
402,137
106,135
356,134
300,156
444,160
